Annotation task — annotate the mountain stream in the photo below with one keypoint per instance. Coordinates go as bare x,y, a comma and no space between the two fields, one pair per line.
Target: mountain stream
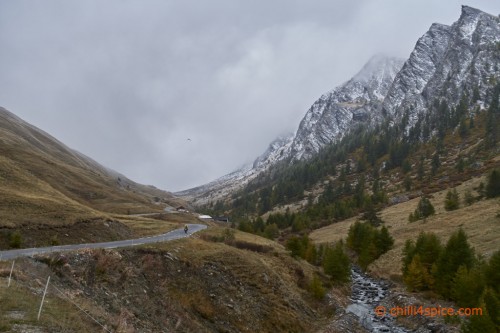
367,293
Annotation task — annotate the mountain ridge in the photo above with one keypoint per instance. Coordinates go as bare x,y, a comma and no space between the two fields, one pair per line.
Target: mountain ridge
446,62
354,99
38,171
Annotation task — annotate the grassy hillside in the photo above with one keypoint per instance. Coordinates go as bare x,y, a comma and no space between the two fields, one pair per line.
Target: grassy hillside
50,190
480,221
38,165
189,285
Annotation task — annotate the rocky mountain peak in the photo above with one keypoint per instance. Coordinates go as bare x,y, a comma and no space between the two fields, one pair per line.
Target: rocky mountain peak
447,62
377,66
470,12
277,151
468,21
356,101
424,60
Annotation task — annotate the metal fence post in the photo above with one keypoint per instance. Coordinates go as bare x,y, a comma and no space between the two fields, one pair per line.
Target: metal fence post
10,275
43,298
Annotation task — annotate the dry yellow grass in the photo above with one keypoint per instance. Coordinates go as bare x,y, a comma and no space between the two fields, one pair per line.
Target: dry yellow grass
19,309
146,226
27,199
479,221
142,226
45,182
265,282
217,230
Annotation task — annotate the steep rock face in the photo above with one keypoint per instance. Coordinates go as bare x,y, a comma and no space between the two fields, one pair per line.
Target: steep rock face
278,150
409,83
471,59
356,101
447,62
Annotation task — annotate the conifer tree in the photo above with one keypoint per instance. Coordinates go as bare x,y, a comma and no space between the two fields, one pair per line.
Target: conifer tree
424,209
359,193
271,231
493,186
294,245
245,226
452,201
316,288
471,122
428,249
435,163
311,254
493,272
368,242
384,241
368,254
421,170
467,287
492,304
468,198
492,119
258,225
460,165
416,277
406,166
462,129
408,254
336,263
479,324
407,182
357,236
371,216
456,253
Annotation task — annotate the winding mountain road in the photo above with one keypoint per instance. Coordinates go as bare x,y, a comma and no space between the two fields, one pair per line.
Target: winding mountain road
171,235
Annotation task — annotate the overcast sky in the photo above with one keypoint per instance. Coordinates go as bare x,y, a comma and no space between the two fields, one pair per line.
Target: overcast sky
129,82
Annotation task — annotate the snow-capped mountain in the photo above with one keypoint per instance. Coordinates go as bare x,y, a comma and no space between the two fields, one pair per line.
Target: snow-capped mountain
356,101
446,62
277,151
220,188
407,87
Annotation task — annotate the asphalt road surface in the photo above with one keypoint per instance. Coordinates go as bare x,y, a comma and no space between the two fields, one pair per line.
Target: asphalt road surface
174,234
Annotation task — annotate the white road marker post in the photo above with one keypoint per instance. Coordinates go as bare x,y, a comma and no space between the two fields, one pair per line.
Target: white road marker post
10,275
43,298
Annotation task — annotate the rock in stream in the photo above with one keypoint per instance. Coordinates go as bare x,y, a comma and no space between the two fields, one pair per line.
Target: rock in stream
367,293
